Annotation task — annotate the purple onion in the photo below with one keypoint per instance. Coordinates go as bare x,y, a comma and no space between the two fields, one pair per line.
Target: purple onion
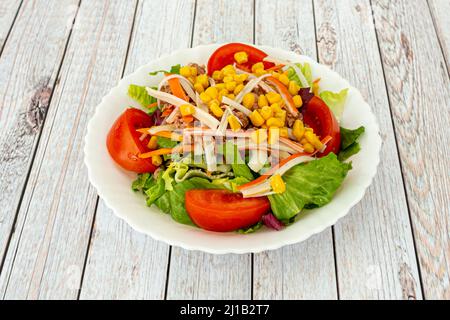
270,221
157,119
306,95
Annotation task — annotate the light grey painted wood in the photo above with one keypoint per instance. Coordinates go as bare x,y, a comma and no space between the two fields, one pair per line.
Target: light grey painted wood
8,11
47,254
440,10
194,274
28,69
419,92
374,247
297,271
122,263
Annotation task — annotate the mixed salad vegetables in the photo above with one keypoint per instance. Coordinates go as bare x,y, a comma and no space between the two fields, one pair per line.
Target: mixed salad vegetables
250,140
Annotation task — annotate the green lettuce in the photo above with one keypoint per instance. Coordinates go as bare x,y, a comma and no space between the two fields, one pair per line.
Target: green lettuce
335,101
349,142
139,94
240,169
174,70
251,229
309,185
305,69
163,142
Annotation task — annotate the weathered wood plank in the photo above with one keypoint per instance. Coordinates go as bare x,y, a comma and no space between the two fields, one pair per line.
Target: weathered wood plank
200,275
28,69
305,270
419,89
122,263
46,257
374,247
440,10
8,12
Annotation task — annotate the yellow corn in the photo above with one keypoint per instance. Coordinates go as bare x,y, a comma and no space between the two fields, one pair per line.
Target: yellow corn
217,75
273,97
298,129
238,88
260,72
230,86
223,92
198,87
266,112
212,92
275,107
193,71
308,147
284,79
248,100
203,80
187,110
284,132
298,102
293,88
185,71
220,86
228,78
228,70
315,87
256,118
275,74
281,115
156,160
313,139
153,143
240,77
259,136
304,141
274,135
234,123
231,96
257,66
262,101
277,184
205,97
215,109
241,57
191,79
274,122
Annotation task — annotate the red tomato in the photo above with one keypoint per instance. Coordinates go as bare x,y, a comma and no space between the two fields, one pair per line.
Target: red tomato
123,141
224,56
318,116
221,210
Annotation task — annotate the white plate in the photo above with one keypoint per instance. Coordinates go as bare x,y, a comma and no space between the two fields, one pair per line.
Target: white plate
114,184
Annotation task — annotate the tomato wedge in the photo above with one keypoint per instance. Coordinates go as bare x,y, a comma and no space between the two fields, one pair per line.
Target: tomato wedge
224,56
123,141
222,210
318,116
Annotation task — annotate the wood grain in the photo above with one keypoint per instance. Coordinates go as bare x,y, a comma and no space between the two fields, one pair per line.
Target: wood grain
46,256
28,69
8,12
440,10
122,263
419,89
375,254
200,275
297,271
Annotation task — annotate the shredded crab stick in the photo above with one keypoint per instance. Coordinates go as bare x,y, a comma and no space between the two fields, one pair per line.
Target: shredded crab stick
294,145
249,87
299,73
285,95
236,105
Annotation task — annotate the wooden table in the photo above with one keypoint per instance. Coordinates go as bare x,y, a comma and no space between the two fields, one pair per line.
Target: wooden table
59,240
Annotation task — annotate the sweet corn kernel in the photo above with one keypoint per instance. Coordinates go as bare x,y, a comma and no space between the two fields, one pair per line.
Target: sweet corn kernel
248,100
298,102
281,115
231,96
298,130
284,132
274,122
256,118
262,101
238,88
194,71
217,75
191,79
275,107
293,88
227,79
198,87
274,135
156,160
205,97
273,97
220,86
241,57
230,85
266,112
304,141
223,92
313,139
259,136
212,92
275,74
187,110
228,70
256,66
203,80
308,147
260,72
186,71
277,184
240,77
284,79
234,123
315,87
153,143
215,109
264,126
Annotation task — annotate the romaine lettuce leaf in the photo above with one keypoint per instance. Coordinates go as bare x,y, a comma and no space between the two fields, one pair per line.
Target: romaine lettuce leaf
139,94
240,169
174,70
163,142
349,143
142,182
309,185
250,229
335,101
305,69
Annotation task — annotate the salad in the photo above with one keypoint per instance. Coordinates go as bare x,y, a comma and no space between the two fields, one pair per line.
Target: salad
245,141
